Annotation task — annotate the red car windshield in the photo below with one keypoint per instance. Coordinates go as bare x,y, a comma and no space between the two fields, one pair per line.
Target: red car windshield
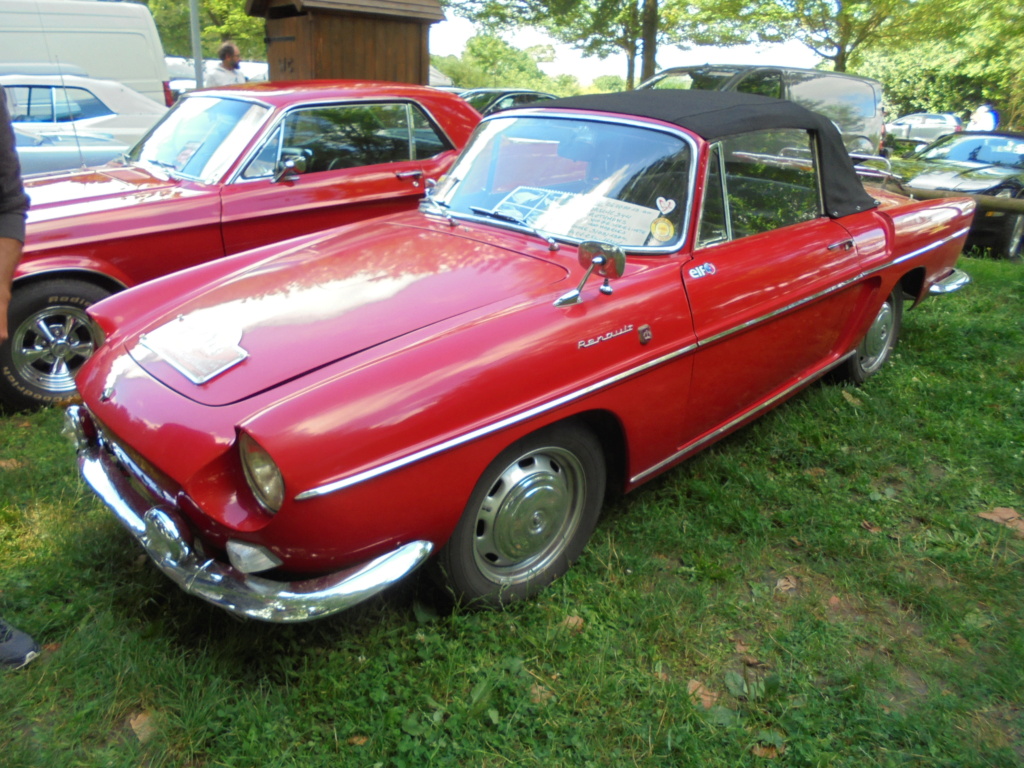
574,179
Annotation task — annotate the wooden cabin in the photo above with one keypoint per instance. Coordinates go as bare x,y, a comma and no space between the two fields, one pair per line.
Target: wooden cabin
348,39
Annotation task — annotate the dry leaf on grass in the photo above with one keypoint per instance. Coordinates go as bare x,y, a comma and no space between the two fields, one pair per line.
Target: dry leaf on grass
816,472
357,741
11,464
573,623
144,726
539,694
870,527
699,694
787,584
1005,516
854,401
769,751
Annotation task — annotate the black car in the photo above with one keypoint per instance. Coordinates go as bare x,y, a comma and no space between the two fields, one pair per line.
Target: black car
486,101
987,163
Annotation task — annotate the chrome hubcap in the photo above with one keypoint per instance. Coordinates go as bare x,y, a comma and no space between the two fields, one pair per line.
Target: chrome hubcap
50,346
878,339
529,515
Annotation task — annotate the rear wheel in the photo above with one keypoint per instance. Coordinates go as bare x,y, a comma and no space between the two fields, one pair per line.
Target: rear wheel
50,338
876,347
528,518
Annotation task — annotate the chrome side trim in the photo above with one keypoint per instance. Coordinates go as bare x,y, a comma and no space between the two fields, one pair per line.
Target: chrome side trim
369,474
166,539
348,482
753,412
832,289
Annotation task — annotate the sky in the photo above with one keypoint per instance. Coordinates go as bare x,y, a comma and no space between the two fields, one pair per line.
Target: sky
448,38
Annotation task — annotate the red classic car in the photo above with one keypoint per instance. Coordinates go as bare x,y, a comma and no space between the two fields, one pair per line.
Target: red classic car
600,287
225,170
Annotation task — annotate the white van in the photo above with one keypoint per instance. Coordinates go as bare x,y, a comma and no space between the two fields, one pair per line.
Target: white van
115,41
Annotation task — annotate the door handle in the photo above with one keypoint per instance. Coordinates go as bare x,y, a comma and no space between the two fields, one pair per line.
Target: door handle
845,245
409,174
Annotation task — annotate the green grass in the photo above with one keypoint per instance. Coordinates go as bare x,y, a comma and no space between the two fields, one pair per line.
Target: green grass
822,574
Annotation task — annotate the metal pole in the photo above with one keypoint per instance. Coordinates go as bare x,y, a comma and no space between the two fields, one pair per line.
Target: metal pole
197,48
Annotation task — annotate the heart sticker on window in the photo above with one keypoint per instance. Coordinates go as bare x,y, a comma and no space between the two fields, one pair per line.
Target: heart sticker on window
665,206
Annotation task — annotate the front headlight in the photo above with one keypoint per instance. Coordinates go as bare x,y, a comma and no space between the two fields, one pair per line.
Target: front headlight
261,473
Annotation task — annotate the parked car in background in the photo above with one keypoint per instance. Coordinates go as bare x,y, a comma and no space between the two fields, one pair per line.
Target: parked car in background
924,127
106,40
486,101
71,104
600,287
985,163
853,103
226,170
48,152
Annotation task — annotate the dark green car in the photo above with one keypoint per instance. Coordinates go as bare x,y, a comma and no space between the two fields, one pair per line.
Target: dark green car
989,164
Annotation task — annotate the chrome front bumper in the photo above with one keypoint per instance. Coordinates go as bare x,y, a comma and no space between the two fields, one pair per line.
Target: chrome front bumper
166,538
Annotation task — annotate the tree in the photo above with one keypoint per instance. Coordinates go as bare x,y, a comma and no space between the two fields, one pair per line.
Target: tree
594,27
833,29
219,20
960,59
490,62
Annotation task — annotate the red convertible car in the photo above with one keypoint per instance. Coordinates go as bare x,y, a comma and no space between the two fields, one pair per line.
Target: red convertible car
600,287
225,170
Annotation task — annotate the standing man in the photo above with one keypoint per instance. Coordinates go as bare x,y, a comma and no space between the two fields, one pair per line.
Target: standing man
227,72
16,648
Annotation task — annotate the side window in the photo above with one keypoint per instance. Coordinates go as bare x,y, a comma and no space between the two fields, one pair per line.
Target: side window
427,139
30,104
714,226
770,180
762,83
78,104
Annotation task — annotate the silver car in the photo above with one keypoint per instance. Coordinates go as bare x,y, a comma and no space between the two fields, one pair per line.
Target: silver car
924,127
48,152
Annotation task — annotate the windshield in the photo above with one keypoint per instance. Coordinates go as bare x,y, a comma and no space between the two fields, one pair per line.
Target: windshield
986,150
200,137
574,179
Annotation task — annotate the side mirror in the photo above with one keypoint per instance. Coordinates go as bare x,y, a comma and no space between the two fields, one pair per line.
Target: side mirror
289,169
609,261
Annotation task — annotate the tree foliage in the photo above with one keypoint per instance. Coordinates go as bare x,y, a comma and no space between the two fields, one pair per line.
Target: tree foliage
601,28
955,61
490,62
219,20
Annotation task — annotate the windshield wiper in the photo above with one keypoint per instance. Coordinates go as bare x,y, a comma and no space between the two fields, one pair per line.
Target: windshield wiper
493,213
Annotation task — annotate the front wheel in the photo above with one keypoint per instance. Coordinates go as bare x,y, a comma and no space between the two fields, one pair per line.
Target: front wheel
528,518
876,347
50,338
1013,237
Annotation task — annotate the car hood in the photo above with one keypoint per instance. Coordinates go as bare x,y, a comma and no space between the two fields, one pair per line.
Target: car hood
337,297
111,186
957,177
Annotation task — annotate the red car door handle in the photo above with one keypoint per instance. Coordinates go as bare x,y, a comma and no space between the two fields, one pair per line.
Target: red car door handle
842,244
408,174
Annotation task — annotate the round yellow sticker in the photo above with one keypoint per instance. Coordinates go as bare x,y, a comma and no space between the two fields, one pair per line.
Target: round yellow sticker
662,229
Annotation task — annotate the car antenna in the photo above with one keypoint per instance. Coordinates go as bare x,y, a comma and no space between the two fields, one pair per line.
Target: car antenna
63,87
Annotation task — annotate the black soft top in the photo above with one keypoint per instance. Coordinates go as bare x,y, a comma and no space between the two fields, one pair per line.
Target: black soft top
714,115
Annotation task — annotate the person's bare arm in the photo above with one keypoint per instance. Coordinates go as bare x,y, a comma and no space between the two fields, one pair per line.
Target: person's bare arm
10,252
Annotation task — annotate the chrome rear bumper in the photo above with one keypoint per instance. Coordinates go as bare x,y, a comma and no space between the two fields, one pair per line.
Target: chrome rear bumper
951,283
166,538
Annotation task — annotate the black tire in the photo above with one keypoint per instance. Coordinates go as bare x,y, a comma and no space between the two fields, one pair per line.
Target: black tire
1012,243
528,518
876,347
50,338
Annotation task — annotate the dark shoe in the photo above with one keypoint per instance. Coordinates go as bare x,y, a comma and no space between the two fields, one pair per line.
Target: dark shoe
16,648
